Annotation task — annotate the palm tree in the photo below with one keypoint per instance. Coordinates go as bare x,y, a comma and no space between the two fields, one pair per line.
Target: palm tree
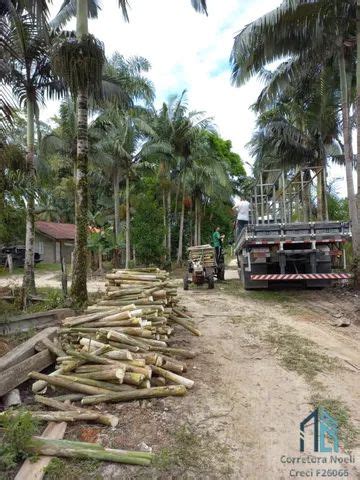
29,74
80,87
298,28
298,122
177,127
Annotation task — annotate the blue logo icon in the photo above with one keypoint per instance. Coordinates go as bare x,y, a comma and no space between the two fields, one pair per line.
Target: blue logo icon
325,431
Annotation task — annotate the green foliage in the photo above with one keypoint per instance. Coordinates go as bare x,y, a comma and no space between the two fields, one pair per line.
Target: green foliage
71,469
338,208
17,431
148,230
79,62
223,149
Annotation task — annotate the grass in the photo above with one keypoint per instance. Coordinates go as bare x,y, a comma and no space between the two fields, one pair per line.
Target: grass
191,454
233,287
40,267
348,433
297,353
71,469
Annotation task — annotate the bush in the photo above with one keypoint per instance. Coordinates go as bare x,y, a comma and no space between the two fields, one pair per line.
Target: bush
148,231
17,431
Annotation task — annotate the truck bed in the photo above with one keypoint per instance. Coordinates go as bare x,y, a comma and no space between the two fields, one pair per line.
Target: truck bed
318,232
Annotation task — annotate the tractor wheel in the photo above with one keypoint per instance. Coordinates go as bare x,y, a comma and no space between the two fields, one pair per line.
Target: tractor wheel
211,282
186,282
221,272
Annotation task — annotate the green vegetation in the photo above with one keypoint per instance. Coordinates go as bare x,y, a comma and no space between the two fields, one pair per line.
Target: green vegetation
349,434
192,454
70,469
297,353
15,434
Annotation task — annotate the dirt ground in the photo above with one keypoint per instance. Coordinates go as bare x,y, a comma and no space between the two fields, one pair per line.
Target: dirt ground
51,280
264,361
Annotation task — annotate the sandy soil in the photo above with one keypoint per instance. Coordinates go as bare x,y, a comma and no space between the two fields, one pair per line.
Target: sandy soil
52,280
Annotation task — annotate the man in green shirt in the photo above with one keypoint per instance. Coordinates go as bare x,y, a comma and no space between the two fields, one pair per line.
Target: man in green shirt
217,242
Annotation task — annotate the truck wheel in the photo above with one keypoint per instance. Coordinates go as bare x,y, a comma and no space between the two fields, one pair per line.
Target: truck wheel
186,282
211,282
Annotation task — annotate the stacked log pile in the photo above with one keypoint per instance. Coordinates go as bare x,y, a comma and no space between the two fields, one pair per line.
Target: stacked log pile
118,350
202,254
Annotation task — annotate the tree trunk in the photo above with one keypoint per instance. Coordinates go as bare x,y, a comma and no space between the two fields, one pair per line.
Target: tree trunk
28,285
356,228
199,221
347,135
116,181
128,247
164,216
169,223
79,274
181,229
196,217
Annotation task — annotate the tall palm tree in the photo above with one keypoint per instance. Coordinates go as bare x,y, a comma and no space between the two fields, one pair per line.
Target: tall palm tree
83,8
30,76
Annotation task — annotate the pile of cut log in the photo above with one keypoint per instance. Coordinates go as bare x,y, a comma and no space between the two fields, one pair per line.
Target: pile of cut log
202,254
119,349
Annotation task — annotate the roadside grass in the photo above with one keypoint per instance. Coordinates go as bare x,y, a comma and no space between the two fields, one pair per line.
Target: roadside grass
297,353
348,433
71,469
191,454
48,267
234,287
5,273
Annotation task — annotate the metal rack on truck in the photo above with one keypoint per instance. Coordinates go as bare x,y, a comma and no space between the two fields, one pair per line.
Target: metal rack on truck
282,244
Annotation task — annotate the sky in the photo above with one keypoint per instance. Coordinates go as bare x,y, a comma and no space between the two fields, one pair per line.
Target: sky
188,51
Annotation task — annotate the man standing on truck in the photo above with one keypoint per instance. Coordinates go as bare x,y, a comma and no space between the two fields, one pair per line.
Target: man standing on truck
242,207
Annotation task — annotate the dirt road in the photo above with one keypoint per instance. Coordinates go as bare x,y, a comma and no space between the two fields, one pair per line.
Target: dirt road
267,359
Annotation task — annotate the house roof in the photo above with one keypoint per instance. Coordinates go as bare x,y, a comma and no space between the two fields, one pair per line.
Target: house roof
57,231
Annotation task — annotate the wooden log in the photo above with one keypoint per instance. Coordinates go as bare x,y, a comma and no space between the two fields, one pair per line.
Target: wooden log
177,352
17,374
26,349
157,381
76,363
173,367
125,346
151,358
72,416
165,358
105,374
74,449
133,378
89,357
62,381
72,321
143,393
186,324
118,354
173,377
69,397
53,403
117,336
153,343
31,470
46,343
108,386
